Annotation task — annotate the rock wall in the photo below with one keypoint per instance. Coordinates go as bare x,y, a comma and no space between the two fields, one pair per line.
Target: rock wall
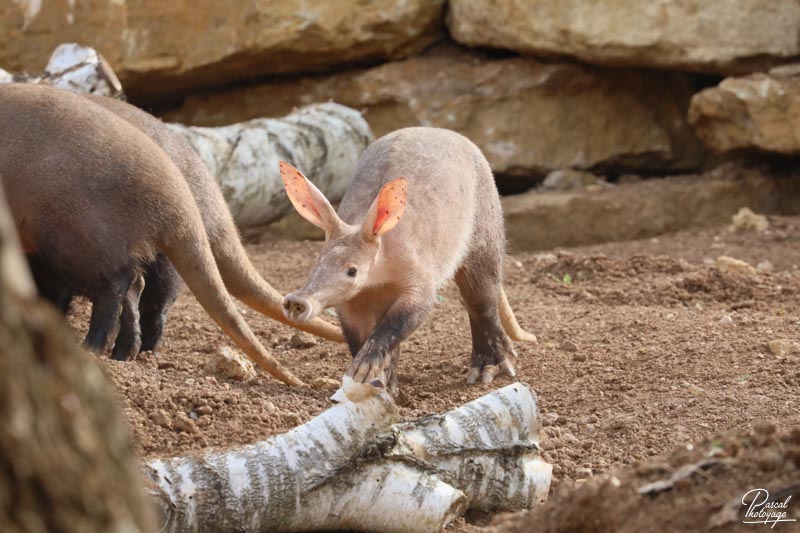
612,87
529,117
158,47
530,105
719,36
539,220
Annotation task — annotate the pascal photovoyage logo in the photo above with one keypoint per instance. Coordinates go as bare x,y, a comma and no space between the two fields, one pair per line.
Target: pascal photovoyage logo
761,509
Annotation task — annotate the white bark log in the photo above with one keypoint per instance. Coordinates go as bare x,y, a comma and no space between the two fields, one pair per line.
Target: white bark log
81,69
352,468
74,68
324,141
381,497
488,448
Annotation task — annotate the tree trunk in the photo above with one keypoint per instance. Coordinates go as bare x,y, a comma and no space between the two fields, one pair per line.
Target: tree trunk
66,460
352,467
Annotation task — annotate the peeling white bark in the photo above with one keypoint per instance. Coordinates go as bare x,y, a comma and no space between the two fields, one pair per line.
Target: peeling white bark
81,69
352,468
381,497
488,448
324,140
74,68
262,486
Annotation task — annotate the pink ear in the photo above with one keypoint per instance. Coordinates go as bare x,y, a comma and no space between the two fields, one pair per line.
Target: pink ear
297,188
391,203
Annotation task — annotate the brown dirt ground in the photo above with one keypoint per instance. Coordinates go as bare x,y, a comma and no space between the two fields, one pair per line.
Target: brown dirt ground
721,472
643,346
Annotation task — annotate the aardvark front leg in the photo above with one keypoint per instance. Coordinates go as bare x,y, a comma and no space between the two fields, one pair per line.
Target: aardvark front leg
374,361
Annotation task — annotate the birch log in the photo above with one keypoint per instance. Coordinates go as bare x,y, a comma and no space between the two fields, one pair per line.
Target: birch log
74,68
352,467
488,448
325,140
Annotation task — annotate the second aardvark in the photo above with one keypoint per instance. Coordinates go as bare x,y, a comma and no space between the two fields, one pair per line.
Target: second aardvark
422,207
161,281
97,199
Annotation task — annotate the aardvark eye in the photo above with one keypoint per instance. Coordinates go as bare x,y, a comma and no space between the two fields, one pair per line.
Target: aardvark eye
352,271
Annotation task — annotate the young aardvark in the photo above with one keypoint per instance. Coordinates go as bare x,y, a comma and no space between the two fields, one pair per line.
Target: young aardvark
422,206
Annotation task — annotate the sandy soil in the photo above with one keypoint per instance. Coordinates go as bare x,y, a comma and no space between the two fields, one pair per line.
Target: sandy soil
643,346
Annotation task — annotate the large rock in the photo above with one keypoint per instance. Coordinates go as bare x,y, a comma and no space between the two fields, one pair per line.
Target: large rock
156,46
529,117
540,220
758,112
717,36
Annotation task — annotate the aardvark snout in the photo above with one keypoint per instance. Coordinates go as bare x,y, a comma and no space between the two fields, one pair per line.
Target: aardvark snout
297,308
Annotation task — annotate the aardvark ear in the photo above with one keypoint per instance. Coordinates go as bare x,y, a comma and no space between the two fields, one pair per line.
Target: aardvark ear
386,210
307,199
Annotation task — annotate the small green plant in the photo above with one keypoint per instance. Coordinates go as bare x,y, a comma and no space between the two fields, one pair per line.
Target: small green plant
716,448
566,279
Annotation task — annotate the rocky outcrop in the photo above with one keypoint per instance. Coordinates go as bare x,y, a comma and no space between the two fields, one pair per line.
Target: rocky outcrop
720,36
759,112
529,117
156,46
540,220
